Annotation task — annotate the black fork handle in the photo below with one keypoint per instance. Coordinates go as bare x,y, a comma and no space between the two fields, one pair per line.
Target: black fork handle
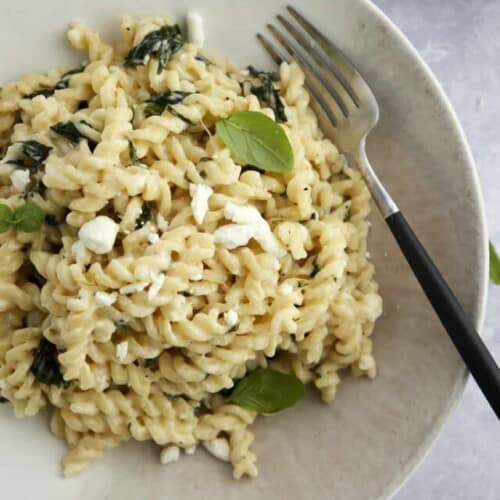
457,323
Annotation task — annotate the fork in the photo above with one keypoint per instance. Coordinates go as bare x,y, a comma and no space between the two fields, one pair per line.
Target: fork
347,106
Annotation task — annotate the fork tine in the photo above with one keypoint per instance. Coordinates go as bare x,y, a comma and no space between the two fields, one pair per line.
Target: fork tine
344,70
344,91
317,99
322,87
269,47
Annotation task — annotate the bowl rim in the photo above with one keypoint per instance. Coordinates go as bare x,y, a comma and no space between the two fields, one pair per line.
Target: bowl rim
420,453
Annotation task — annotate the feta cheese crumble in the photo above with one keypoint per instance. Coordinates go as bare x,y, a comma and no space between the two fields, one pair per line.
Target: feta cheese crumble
233,235
104,299
286,289
190,450
231,317
122,350
153,238
99,234
196,33
200,193
20,179
170,454
257,227
219,448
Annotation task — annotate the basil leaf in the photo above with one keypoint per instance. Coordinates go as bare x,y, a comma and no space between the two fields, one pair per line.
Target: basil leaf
255,139
71,131
28,218
162,43
5,218
268,391
45,366
494,266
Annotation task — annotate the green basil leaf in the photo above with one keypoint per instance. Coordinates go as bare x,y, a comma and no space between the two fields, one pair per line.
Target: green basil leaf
254,139
494,266
28,218
6,216
268,391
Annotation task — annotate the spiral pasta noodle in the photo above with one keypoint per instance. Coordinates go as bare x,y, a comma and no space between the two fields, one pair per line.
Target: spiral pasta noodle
144,337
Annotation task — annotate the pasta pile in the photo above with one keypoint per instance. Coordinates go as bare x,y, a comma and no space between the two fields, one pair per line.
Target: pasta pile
150,336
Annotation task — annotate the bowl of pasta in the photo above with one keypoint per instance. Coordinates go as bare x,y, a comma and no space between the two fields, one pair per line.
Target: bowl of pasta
184,254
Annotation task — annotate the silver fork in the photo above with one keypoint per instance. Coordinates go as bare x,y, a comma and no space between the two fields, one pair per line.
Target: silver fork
346,104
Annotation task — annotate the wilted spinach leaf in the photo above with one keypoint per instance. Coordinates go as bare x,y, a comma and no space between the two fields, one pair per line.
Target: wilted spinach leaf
268,93
61,84
162,43
33,154
494,265
144,216
45,366
72,131
158,103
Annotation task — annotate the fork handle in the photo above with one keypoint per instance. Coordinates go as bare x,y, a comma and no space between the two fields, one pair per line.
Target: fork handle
457,323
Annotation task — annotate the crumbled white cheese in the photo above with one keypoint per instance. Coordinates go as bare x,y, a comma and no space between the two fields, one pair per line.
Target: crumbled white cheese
99,234
250,216
219,448
233,235
197,277
196,33
244,72
20,179
200,193
153,238
170,454
133,287
104,299
161,222
286,289
155,287
231,317
122,350
190,450
78,250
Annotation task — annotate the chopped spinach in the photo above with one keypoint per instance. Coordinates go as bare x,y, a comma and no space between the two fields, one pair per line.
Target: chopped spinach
202,58
132,152
158,103
234,328
144,216
45,366
302,283
63,83
71,131
39,188
315,269
162,43
268,93
33,155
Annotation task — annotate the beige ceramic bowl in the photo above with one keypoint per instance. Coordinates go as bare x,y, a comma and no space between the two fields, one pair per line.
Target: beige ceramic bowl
365,444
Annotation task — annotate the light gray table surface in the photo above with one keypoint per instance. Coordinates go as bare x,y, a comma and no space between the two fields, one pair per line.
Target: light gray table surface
460,40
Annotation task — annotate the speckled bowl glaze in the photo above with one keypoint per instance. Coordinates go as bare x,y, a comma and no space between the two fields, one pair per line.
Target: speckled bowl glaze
365,444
